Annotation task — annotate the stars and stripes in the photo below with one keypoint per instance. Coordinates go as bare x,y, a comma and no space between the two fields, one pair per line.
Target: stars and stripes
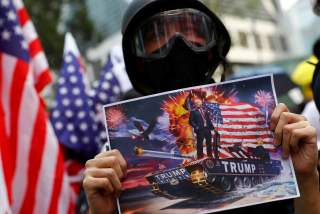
73,117
11,38
41,71
242,124
33,166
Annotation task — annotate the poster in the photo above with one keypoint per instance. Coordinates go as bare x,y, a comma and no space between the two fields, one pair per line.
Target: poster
200,150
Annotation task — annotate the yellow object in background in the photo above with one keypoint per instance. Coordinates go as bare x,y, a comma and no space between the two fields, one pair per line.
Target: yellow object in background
302,76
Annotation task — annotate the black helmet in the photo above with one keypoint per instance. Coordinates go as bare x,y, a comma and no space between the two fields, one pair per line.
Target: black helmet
316,7
170,69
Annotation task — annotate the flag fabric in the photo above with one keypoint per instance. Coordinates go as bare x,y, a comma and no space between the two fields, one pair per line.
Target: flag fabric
33,165
4,196
4,202
240,124
118,68
106,90
73,117
41,71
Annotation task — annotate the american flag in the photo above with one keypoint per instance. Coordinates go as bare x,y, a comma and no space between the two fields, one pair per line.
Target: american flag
73,117
41,72
240,124
106,90
32,160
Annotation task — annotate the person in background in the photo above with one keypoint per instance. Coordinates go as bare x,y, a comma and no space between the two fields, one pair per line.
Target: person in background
312,114
310,110
172,44
303,73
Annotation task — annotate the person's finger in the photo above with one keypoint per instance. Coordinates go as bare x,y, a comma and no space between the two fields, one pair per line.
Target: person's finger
308,132
112,176
107,173
286,135
276,115
122,161
285,118
118,155
290,128
91,184
106,162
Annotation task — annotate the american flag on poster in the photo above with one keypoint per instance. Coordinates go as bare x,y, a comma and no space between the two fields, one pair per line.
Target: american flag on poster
240,124
41,71
33,166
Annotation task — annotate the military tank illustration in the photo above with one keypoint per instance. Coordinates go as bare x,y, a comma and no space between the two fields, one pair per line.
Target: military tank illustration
210,176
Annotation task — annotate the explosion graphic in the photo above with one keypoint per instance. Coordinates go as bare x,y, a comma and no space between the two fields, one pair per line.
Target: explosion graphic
265,100
115,117
178,107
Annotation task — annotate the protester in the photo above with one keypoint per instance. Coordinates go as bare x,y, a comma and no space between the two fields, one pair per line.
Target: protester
312,114
303,73
171,44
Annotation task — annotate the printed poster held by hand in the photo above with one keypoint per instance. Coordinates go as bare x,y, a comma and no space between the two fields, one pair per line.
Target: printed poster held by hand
200,150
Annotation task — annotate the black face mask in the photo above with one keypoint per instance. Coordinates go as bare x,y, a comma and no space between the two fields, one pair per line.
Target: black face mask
315,85
181,68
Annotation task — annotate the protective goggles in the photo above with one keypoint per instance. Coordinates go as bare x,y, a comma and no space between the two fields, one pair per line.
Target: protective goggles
156,36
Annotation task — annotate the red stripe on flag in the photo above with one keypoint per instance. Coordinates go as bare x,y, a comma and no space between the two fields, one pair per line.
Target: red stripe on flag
35,159
58,181
23,16
242,129
72,206
246,136
243,116
230,144
229,108
244,123
35,47
16,90
43,80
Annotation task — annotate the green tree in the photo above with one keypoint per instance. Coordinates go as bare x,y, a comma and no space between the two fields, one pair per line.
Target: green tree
81,26
47,16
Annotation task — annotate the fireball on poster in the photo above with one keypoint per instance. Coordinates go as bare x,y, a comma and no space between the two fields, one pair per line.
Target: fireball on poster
200,150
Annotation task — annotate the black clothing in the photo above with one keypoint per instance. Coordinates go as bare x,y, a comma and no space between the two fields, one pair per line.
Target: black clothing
204,133
276,207
201,123
315,85
146,73
281,207
215,145
200,119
